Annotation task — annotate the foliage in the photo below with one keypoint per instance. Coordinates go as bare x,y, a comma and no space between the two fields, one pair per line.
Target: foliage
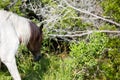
16,8
97,59
94,57
113,58
112,9
108,27
87,55
4,3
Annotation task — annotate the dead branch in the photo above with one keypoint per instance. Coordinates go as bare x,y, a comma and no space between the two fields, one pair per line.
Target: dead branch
84,33
91,14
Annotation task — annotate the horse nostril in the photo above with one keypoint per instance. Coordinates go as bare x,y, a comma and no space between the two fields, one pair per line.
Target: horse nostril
37,58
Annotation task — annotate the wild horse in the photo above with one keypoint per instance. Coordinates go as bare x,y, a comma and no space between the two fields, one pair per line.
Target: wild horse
15,30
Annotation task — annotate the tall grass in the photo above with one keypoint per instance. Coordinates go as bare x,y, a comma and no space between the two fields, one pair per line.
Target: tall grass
52,68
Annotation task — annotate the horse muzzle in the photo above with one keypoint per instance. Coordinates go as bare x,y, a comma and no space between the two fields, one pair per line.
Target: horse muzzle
37,57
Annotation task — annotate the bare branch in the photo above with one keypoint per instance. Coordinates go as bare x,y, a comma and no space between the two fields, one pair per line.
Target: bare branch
84,33
91,14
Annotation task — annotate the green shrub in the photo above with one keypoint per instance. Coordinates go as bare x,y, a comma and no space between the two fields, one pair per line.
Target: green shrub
97,58
108,27
4,3
112,8
87,55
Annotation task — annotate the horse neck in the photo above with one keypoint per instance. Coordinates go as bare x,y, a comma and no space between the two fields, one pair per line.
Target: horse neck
22,28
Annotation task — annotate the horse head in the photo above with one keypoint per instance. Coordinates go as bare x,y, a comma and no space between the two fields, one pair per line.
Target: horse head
35,41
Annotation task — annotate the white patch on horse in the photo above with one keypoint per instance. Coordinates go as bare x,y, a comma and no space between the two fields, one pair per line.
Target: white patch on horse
8,48
20,24
13,31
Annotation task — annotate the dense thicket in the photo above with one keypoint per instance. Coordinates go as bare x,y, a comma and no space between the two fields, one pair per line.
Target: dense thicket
83,33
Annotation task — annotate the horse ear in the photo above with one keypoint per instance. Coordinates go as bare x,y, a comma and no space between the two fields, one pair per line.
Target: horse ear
41,27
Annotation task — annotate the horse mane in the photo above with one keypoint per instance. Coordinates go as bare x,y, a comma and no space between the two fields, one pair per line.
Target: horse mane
24,27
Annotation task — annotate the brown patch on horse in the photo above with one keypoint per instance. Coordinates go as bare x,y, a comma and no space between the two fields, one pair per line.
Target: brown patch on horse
35,41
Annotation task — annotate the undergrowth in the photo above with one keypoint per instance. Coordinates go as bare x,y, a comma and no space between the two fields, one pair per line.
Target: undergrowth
96,58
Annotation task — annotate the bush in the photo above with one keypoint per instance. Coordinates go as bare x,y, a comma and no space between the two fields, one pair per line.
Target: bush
97,58
4,3
112,9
